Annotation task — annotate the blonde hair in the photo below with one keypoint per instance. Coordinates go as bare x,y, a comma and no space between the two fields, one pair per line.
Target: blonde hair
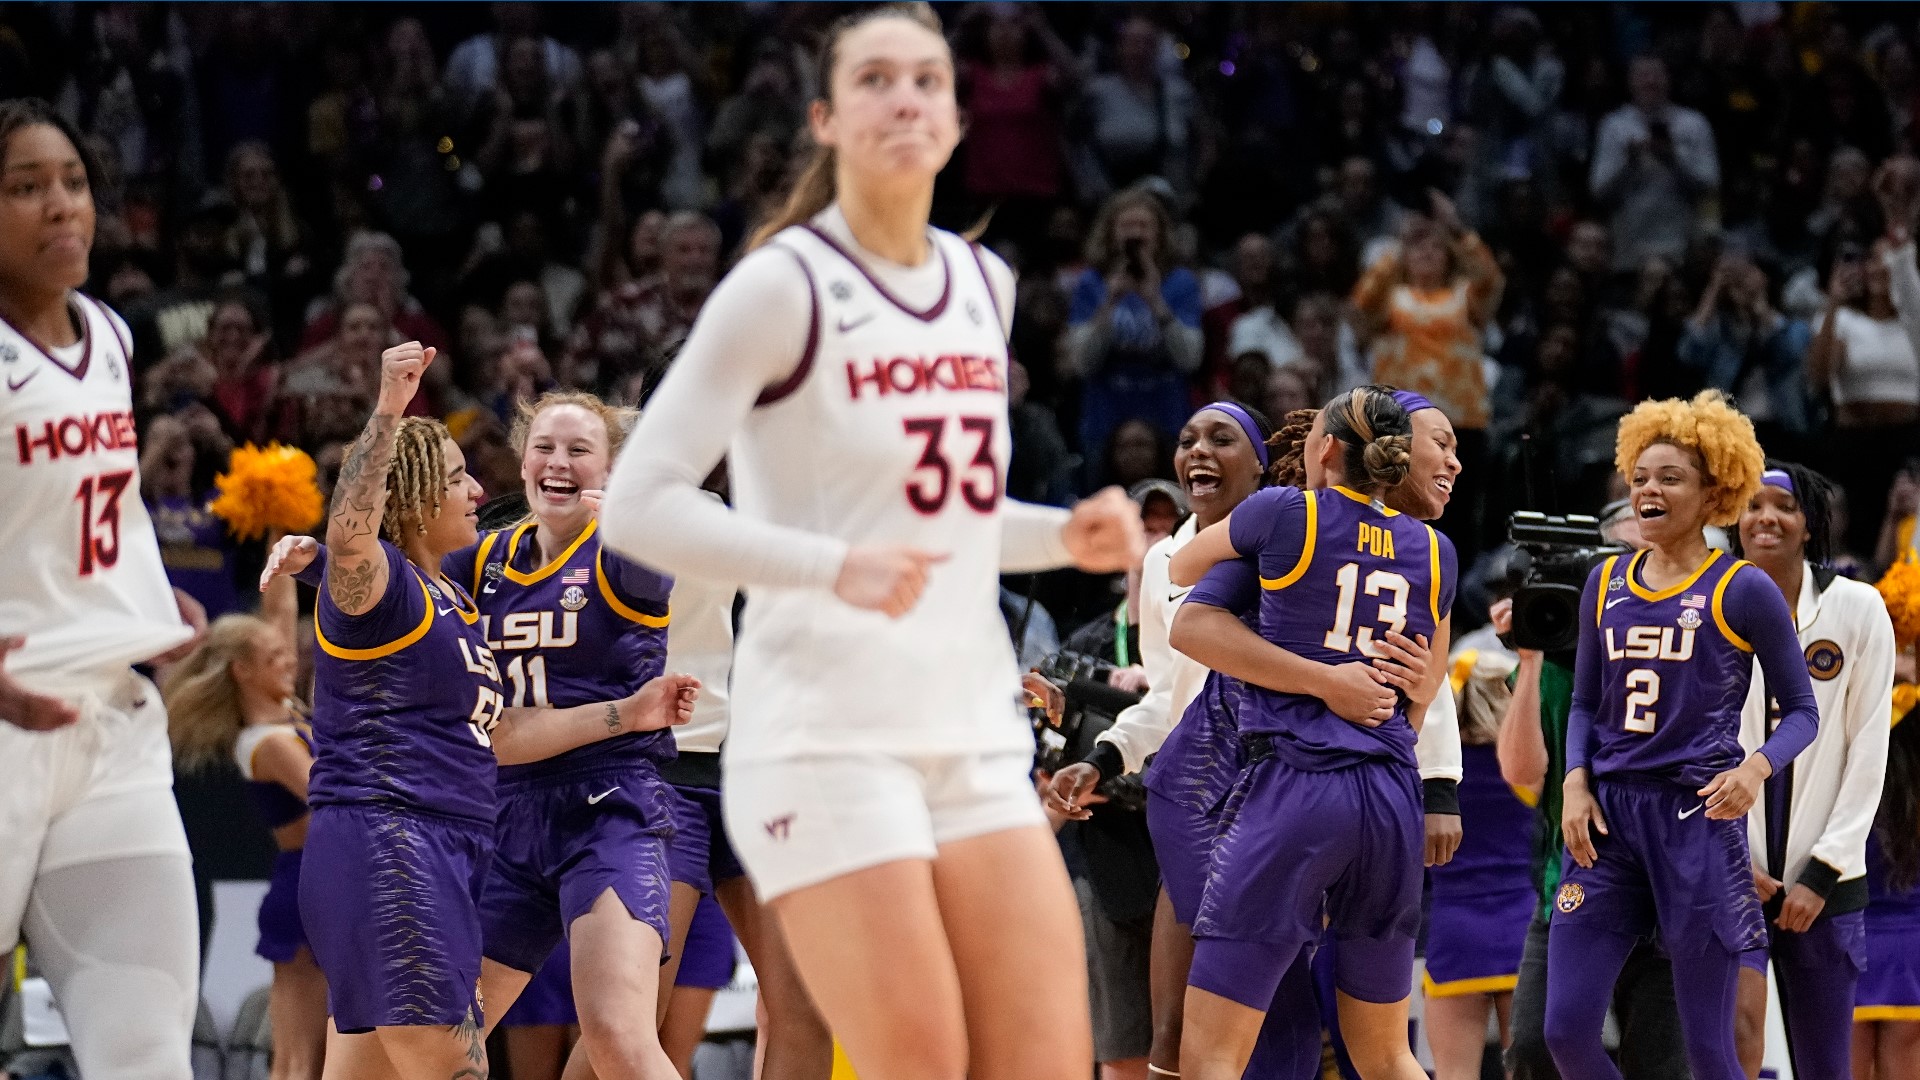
1710,428
417,477
203,701
1376,435
618,418
816,188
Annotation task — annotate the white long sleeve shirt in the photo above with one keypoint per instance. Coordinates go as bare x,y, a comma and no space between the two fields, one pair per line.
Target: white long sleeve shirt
1848,640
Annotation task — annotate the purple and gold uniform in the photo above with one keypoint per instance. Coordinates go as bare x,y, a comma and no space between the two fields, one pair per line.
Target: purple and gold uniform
406,696
1484,898
587,627
1659,686
547,1000
1889,988
1326,815
282,935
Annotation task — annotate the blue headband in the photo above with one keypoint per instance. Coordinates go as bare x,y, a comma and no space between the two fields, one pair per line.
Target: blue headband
1411,401
1779,478
1245,420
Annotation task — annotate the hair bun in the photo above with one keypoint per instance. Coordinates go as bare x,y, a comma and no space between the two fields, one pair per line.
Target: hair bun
1388,459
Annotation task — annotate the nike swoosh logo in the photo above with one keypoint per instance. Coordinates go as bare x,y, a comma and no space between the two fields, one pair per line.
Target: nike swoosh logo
1179,594
1685,814
862,321
1621,600
443,610
12,385
594,800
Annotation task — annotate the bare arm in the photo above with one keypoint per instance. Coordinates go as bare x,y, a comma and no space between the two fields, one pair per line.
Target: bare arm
284,760
535,734
1215,637
1827,354
356,570
1522,745
1191,563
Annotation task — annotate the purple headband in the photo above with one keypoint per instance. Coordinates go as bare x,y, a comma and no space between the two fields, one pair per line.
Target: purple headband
1779,478
1411,401
1245,420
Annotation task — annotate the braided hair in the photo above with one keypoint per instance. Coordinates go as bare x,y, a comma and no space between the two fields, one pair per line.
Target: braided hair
1288,447
417,478
1376,437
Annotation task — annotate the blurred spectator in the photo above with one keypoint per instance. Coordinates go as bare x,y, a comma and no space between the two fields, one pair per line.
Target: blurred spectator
1654,166
1319,252
1014,72
239,346
1137,451
1135,121
176,477
1737,341
1135,321
667,68
417,174
523,131
634,326
1041,469
477,64
769,103
176,317
373,272
269,241
1250,321
1513,96
522,252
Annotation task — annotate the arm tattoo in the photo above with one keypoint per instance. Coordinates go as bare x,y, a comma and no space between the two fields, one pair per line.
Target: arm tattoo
613,719
467,1032
359,500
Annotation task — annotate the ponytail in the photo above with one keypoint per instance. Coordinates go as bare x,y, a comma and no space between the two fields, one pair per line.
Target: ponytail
813,192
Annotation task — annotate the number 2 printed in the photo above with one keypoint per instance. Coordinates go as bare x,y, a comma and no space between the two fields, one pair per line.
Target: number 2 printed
1645,686
932,480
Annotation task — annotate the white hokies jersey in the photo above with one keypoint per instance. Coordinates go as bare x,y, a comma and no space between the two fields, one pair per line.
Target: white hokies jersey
83,580
892,430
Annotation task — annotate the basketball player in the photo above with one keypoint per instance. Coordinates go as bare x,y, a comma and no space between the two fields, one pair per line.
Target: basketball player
409,714
94,870
1808,832
1310,773
852,368
1886,1012
1656,780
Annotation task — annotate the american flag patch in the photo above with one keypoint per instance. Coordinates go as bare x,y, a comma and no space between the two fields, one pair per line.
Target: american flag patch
1695,600
576,577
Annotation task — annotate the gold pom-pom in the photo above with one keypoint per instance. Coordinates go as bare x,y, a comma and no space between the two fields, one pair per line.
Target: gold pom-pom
268,489
1900,588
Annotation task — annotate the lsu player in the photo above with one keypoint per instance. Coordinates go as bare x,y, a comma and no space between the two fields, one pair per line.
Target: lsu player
580,835
94,870
1326,814
852,369
1656,780
410,713
1808,831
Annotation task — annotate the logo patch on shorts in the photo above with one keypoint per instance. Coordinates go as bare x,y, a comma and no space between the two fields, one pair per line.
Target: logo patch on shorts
574,598
1689,619
1571,897
1825,660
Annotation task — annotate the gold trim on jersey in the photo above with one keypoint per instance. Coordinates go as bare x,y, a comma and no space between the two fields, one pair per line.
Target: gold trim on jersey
657,622
1486,984
1376,504
1306,549
469,614
1670,591
1606,578
1867,1014
378,651
480,559
1433,568
513,544
1719,615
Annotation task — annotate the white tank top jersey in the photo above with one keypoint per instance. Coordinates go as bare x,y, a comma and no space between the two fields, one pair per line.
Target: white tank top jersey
892,430
84,582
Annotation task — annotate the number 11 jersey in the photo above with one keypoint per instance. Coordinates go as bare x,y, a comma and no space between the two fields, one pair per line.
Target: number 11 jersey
892,430
85,583
1337,571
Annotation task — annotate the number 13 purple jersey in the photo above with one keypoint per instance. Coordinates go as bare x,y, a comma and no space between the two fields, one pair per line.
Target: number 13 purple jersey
1337,571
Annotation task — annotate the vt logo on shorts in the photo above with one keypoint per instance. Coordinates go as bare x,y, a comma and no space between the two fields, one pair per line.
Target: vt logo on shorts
780,827
1571,897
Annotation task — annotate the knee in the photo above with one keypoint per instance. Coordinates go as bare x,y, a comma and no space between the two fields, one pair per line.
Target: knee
1566,1034
1750,1028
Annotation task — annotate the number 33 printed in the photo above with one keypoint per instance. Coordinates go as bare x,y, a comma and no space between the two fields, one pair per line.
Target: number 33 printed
932,480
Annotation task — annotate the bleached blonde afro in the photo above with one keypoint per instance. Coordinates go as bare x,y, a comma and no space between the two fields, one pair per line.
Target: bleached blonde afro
1709,426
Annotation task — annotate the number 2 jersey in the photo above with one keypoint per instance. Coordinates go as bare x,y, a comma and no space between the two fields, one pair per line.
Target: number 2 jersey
587,627
1661,676
891,431
84,582
1337,571
405,699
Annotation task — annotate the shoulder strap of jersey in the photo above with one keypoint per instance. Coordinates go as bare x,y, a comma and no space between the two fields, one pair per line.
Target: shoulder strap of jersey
1306,548
1433,573
480,558
625,611
1606,575
391,647
1719,610
787,386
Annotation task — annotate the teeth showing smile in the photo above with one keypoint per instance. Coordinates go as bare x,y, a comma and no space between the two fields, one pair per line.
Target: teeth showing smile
559,489
1648,512
1202,481
1444,484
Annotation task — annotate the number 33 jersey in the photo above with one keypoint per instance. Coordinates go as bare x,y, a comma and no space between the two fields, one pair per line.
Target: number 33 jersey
84,581
1337,572
891,431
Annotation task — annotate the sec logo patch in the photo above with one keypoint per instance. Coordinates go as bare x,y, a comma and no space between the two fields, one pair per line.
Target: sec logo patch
574,598
1571,897
1824,660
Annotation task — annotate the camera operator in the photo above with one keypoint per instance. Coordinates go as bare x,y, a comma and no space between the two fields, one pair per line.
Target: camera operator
1532,750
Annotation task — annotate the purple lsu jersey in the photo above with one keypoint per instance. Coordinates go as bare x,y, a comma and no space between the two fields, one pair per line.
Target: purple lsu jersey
1337,570
569,633
1200,759
1676,667
406,696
